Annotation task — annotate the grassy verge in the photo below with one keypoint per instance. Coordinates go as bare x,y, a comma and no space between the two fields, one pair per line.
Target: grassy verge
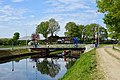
118,44
57,52
102,45
8,54
12,52
9,46
84,69
116,49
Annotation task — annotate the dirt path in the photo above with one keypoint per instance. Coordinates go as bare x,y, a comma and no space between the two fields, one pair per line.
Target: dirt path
109,64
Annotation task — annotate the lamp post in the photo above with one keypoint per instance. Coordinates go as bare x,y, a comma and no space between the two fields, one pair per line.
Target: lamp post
12,44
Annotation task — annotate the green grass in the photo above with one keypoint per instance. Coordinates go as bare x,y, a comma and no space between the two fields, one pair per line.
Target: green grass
4,53
118,44
102,45
9,46
116,49
56,52
84,69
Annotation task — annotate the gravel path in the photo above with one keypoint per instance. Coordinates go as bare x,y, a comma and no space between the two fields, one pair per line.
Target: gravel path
109,64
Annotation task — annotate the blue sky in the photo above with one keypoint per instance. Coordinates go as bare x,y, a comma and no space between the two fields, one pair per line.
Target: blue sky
23,15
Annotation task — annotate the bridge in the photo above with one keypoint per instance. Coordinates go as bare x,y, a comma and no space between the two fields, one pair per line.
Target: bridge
47,51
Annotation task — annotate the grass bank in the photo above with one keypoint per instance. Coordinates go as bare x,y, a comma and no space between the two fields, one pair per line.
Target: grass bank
8,54
102,45
85,68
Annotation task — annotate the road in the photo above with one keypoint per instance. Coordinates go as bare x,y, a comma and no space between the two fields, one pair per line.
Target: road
23,47
109,61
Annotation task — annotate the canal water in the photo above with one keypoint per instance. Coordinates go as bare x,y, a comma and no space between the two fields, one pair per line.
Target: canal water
31,68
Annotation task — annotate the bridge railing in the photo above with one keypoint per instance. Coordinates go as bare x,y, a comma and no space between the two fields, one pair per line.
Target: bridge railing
62,46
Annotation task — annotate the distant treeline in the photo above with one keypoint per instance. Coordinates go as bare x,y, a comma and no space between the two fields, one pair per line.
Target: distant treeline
7,41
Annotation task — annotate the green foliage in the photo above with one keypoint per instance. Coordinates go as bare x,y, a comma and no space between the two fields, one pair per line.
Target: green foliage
94,29
84,68
86,33
48,27
22,42
53,26
90,30
8,42
16,36
5,41
48,67
111,8
42,28
74,30
103,34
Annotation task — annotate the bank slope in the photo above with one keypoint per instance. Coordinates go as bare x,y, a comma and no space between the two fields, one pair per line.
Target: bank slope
85,68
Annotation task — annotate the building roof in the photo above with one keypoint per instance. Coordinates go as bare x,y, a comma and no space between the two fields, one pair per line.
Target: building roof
25,38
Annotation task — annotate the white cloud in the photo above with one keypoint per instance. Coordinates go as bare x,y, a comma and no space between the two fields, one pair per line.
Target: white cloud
78,11
91,11
93,1
9,13
17,0
66,5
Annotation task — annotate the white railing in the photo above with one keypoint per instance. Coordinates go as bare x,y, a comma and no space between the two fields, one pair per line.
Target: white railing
63,46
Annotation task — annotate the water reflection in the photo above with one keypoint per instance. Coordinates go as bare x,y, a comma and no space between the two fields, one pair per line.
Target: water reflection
48,67
35,68
12,65
70,63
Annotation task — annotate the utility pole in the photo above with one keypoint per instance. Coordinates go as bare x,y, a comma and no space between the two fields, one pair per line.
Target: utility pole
98,35
12,44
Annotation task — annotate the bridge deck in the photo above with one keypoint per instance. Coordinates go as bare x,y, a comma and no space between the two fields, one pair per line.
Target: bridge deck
56,49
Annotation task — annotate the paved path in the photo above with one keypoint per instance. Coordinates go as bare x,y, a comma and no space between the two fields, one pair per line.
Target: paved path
109,63
23,47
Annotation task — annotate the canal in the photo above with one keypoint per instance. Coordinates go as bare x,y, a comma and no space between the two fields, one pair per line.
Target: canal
34,68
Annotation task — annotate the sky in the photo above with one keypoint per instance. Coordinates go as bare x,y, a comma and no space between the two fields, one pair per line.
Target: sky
24,15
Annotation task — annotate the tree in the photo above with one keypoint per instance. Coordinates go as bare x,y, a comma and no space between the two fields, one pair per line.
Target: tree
92,31
111,8
103,34
81,32
53,26
16,37
74,30
70,28
48,67
42,28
